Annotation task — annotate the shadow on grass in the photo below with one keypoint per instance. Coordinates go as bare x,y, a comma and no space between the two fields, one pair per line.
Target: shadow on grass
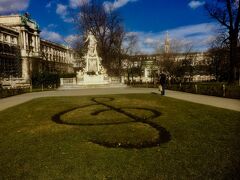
163,135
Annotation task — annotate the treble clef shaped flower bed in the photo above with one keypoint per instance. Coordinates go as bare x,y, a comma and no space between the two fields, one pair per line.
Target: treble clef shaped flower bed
125,127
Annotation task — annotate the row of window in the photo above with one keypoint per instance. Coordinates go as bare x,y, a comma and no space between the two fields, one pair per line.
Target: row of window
9,66
53,67
50,57
53,51
54,54
9,49
8,38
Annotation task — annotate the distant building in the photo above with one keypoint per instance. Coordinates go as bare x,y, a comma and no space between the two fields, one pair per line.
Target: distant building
167,44
23,53
146,68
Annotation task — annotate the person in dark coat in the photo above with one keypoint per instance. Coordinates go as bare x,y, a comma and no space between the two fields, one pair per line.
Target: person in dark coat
162,80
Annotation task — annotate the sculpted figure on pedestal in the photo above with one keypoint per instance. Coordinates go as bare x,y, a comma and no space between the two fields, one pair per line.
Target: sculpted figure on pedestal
92,45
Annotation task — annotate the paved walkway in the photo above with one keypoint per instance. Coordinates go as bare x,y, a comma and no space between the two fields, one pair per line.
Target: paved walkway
232,104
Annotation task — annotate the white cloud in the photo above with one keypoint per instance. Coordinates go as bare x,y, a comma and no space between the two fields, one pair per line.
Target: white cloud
68,19
51,36
116,4
199,35
72,39
61,9
49,4
52,26
13,6
195,4
77,3
151,41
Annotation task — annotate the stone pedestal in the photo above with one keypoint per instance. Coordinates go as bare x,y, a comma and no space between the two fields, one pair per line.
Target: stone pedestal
92,79
94,73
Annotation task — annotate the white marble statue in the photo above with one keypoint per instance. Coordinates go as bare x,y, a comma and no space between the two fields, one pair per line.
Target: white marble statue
94,72
92,45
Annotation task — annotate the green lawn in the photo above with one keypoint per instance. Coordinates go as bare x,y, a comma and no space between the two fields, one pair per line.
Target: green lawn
144,136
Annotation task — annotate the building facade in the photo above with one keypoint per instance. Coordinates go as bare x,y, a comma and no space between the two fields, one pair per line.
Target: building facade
23,52
10,59
188,66
146,68
55,58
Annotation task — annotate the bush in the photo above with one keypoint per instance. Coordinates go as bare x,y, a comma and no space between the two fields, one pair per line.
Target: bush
69,75
143,85
46,79
12,92
233,92
212,89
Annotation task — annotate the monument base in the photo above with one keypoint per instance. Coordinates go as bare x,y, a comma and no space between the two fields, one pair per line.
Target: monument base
92,79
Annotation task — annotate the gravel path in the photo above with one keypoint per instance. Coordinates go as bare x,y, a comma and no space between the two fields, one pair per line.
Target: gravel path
232,104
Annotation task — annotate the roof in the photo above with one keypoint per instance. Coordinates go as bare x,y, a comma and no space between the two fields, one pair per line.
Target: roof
54,44
9,28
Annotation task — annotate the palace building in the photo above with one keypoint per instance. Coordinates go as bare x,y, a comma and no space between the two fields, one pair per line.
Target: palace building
23,52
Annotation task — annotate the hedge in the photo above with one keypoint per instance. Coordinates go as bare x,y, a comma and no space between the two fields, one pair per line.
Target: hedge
211,89
12,92
143,85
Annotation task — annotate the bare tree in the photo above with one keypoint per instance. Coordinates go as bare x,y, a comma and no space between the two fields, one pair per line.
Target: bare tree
130,45
129,50
107,28
227,13
79,51
219,63
177,63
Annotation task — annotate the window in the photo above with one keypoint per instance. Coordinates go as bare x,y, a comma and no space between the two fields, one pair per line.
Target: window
5,37
15,40
12,39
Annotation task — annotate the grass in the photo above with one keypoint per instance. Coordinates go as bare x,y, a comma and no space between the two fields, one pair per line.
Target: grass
204,141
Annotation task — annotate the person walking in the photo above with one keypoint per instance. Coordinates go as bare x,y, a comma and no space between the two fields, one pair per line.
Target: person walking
162,80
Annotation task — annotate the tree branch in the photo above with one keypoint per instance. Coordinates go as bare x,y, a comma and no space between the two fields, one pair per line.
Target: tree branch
237,22
230,13
216,15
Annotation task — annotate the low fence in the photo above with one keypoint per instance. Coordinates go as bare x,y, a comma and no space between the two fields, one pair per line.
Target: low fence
115,80
68,81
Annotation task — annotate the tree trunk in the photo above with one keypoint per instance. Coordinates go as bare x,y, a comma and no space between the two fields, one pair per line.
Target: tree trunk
233,58
132,75
128,76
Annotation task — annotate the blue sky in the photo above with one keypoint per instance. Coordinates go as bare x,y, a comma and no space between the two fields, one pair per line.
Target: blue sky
185,20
